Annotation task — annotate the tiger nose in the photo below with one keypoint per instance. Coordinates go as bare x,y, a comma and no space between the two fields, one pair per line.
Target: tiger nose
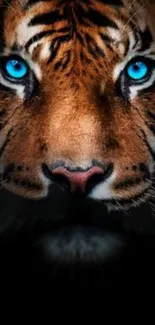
79,180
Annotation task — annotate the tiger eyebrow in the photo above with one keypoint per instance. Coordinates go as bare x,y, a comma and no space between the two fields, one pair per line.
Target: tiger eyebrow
44,34
37,38
48,18
95,17
143,37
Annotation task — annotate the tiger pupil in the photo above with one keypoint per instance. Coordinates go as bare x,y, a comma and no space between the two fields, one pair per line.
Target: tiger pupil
136,66
17,65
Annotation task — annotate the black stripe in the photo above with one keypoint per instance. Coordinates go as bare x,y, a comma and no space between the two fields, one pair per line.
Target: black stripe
7,171
80,15
63,63
2,112
55,45
84,58
148,89
5,142
26,184
7,89
79,37
152,153
127,46
95,51
130,182
93,16
67,60
107,40
114,3
2,125
151,115
99,19
21,182
93,47
152,128
63,30
86,1
69,16
53,50
146,39
144,168
137,39
58,65
46,18
37,37
41,35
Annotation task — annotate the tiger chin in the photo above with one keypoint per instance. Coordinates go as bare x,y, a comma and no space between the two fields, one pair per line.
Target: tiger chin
77,133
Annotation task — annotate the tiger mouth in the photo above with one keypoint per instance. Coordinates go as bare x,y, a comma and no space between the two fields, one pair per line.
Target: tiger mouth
83,233
75,230
79,234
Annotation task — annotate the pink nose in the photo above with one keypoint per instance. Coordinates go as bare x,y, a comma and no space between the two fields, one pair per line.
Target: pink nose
78,179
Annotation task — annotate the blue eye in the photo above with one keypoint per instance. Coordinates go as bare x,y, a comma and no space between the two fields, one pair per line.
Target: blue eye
16,68
137,70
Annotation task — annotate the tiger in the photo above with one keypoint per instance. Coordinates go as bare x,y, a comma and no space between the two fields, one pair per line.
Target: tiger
77,127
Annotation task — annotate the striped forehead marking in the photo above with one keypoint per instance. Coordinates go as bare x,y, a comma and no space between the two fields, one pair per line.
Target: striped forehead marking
51,28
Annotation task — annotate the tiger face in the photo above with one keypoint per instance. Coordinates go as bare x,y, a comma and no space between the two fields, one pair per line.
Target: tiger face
77,109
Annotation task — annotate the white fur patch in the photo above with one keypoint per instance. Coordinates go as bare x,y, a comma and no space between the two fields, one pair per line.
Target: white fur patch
25,32
103,190
114,34
19,88
135,89
45,52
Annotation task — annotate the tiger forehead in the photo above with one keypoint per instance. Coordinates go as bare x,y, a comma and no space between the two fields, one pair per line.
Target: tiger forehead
49,23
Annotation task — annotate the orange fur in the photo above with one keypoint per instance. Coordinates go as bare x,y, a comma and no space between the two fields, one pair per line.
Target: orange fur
70,117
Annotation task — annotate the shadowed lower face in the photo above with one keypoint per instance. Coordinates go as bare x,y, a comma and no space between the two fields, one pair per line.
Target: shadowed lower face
77,116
